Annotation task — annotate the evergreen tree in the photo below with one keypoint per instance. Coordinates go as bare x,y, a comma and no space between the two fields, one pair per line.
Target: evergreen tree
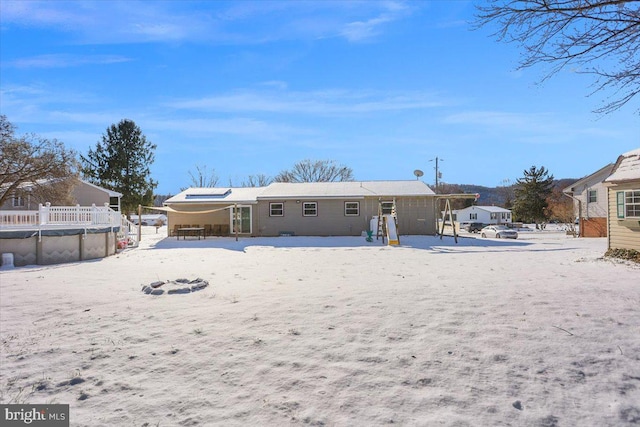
531,193
121,163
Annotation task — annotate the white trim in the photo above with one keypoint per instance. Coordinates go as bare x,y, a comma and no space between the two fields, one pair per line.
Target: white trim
271,214
304,209
357,207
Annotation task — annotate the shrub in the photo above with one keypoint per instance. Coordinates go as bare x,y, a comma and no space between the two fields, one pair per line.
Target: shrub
628,254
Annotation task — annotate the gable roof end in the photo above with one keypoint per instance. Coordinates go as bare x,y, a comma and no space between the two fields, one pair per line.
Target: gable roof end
627,168
605,171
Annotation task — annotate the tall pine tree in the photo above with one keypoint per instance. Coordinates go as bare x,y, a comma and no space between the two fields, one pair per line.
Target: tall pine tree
121,163
531,192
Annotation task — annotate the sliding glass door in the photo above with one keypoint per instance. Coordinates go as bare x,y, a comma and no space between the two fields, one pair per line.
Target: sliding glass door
241,218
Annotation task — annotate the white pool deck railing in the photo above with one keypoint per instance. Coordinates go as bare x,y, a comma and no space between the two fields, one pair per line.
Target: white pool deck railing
49,217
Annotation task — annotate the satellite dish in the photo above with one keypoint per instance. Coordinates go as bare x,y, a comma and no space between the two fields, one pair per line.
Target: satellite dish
418,173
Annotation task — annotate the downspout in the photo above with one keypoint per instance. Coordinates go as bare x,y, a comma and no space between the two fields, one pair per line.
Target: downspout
579,212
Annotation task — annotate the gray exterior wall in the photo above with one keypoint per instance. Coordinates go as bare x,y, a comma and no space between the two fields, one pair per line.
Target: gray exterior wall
81,193
622,234
415,216
85,195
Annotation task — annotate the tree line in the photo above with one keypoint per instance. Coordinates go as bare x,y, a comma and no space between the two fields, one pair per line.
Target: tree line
121,162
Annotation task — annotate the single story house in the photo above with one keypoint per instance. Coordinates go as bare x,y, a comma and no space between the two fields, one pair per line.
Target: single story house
83,193
307,209
623,187
590,204
483,214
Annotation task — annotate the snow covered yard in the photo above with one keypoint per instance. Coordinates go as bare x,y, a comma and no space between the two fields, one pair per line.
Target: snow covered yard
540,331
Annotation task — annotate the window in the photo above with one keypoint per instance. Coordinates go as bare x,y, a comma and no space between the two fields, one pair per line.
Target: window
351,208
18,202
114,203
387,208
276,209
592,197
494,215
310,209
505,215
628,204
473,216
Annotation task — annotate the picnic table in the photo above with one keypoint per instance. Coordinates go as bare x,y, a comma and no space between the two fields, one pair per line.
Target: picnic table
190,231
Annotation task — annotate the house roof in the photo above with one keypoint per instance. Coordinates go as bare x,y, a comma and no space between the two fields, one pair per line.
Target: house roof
349,189
627,168
592,179
306,190
50,181
210,195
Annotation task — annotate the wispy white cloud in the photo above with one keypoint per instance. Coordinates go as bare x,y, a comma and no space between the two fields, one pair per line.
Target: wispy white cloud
328,102
65,60
109,21
526,127
494,118
276,84
362,30
240,126
230,23
38,96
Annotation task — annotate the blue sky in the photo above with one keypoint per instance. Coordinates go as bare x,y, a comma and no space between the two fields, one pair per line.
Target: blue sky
252,87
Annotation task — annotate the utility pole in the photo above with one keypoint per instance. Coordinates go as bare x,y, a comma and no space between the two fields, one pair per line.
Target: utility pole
437,170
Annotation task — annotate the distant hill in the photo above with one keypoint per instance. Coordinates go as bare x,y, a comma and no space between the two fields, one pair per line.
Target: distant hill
495,196
489,196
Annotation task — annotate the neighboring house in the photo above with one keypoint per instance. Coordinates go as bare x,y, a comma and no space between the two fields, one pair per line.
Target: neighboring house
83,193
151,219
483,214
590,204
623,187
307,209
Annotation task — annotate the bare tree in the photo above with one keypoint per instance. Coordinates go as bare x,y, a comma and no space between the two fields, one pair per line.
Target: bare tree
506,192
202,178
598,37
560,208
30,163
316,171
259,180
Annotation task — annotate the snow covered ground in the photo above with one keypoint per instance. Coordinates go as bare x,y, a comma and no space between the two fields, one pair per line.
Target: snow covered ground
540,331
